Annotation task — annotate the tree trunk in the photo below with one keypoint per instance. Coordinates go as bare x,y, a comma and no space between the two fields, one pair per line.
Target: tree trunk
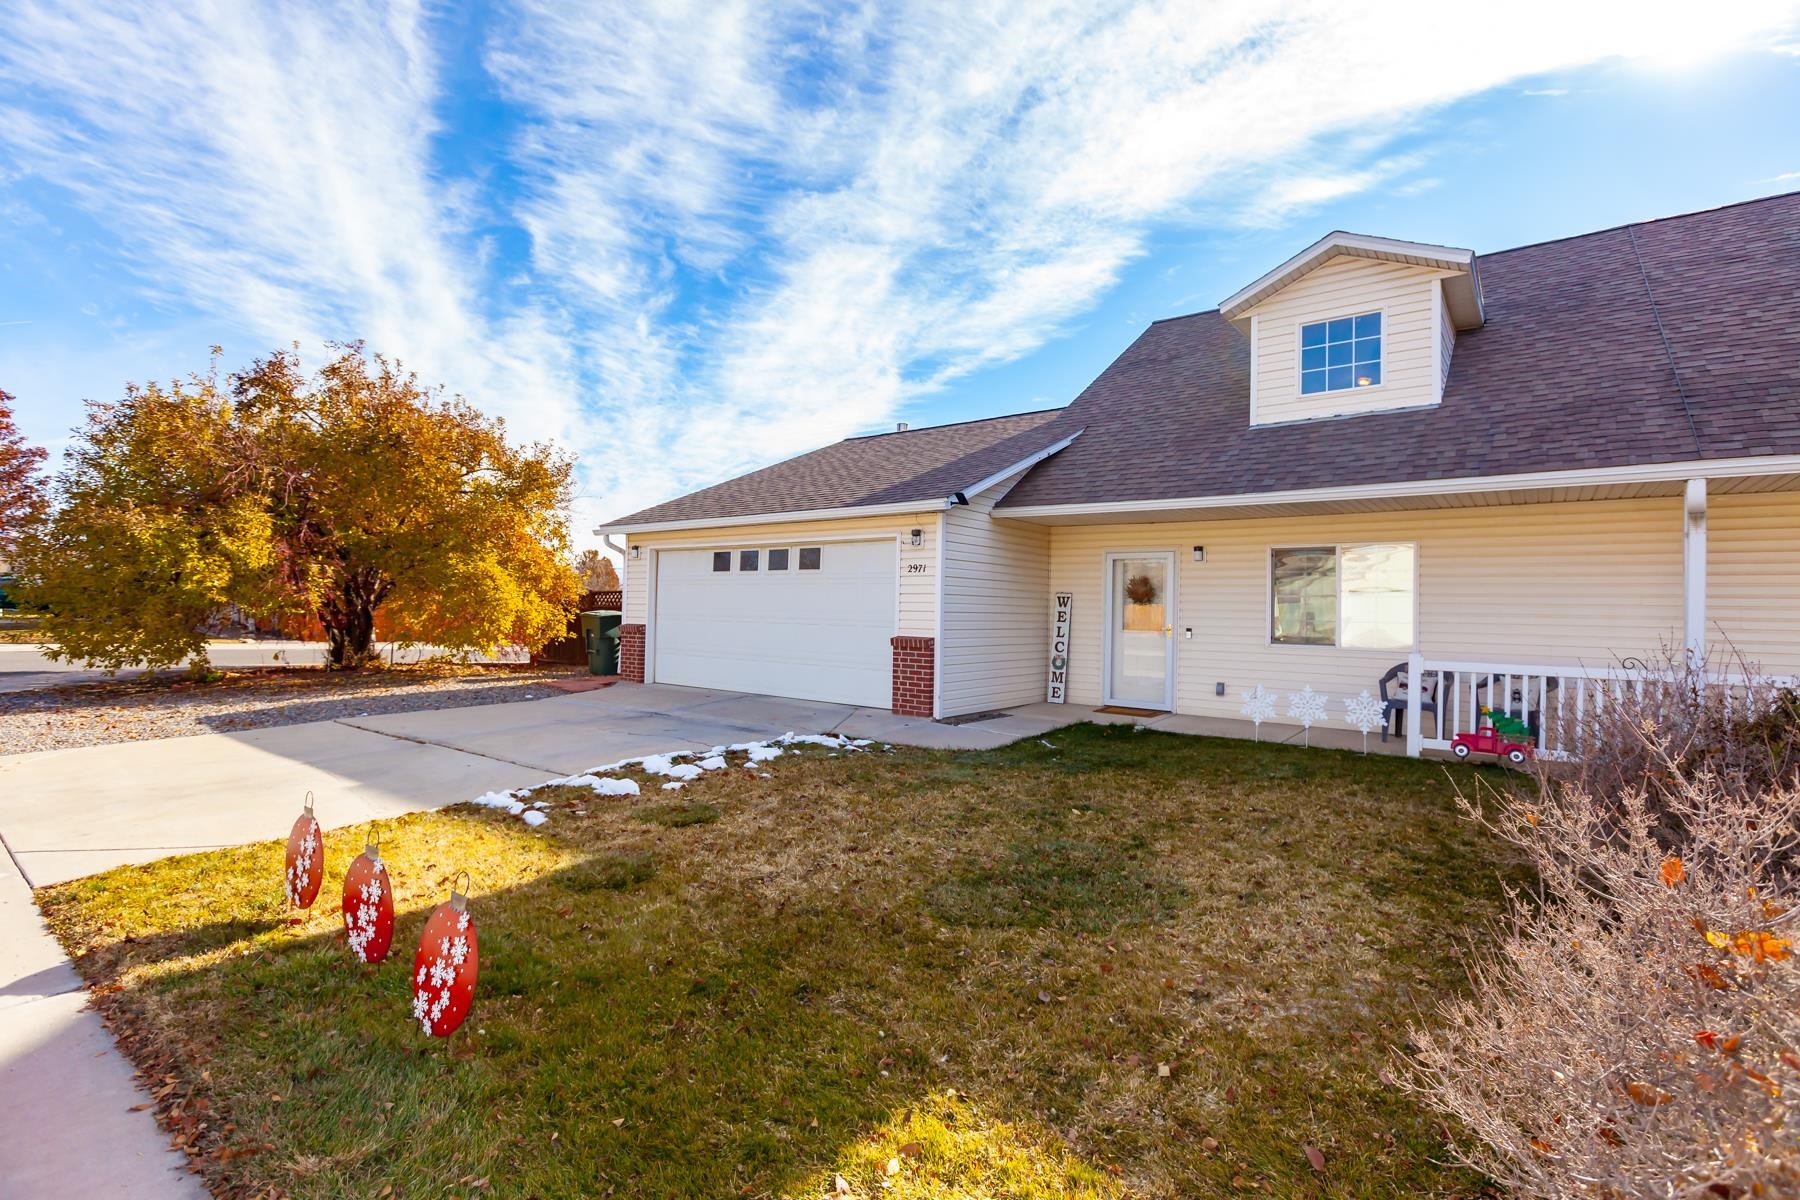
349,620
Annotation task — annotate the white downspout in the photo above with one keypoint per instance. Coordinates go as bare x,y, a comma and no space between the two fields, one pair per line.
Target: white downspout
624,568
1693,573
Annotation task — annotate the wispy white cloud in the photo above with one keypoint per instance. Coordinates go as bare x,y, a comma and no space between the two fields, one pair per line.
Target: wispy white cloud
752,227
271,165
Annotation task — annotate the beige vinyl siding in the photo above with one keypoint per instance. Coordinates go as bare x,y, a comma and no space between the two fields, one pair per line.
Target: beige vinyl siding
1753,580
996,609
918,589
1344,287
1539,583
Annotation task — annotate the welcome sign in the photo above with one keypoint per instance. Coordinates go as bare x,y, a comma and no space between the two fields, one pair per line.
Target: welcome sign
1059,647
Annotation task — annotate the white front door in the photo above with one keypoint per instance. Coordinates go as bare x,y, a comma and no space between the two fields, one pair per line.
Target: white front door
788,619
1140,634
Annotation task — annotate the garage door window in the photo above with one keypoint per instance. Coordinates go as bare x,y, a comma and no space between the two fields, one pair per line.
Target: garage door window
747,559
722,560
809,558
778,560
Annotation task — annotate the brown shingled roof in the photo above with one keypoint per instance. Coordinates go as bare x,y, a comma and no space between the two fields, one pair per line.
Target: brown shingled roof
1569,372
925,465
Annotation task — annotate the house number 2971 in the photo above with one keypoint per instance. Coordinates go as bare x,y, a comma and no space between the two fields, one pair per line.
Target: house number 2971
916,568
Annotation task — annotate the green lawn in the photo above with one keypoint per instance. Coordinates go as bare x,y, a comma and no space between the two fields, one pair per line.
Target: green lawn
1126,964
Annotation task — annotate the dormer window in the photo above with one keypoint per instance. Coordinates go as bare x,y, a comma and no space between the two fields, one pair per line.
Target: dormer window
1340,354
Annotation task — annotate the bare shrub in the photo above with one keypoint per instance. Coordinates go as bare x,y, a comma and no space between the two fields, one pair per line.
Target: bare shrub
1636,1030
1722,718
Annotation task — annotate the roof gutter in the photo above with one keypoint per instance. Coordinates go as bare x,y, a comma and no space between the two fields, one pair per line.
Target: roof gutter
811,514
1712,468
926,504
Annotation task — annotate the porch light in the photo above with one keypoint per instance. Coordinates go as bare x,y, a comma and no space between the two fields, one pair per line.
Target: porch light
637,552
1199,553
918,537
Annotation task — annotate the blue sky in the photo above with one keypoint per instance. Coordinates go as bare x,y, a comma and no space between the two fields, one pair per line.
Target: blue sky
684,240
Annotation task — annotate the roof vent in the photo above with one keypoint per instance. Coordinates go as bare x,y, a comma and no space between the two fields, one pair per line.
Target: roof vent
901,427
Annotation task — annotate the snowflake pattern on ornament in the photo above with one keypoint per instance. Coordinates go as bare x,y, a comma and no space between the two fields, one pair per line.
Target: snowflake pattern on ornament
1259,706
1366,712
296,874
1307,707
360,929
436,977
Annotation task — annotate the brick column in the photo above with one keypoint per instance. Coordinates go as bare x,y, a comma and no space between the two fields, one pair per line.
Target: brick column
915,673
631,653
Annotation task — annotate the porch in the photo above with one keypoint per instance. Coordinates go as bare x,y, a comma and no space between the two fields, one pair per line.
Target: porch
1546,601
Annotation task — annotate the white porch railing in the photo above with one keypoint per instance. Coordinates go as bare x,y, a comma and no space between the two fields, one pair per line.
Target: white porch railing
1558,703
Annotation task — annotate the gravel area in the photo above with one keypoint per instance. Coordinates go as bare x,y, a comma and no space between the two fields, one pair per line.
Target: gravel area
134,710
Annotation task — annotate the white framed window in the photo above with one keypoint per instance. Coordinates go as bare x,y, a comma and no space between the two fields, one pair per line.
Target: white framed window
1341,354
721,560
1362,596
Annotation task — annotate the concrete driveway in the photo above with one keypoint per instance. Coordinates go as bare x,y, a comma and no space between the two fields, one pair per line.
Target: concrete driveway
68,813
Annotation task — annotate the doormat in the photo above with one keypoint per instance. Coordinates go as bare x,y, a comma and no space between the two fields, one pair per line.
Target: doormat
1133,712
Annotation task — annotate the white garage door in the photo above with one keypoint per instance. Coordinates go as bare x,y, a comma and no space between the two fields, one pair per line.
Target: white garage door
812,622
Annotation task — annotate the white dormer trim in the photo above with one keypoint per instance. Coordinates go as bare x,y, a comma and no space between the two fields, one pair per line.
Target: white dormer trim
1462,288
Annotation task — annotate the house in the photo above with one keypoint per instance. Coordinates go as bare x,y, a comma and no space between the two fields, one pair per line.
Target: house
1512,471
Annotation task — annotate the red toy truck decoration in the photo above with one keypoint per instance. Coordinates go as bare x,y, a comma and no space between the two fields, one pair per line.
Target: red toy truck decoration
1497,737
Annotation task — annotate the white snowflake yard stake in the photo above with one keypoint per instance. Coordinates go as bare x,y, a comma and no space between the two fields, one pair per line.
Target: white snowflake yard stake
1307,706
1366,712
1259,706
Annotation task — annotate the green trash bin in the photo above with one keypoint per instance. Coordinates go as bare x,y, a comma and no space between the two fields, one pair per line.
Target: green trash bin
600,637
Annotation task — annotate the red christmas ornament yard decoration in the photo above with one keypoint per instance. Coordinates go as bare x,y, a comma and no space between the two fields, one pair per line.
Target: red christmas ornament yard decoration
444,969
368,906
305,859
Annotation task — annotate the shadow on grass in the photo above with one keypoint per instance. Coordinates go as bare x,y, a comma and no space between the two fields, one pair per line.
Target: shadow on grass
1038,972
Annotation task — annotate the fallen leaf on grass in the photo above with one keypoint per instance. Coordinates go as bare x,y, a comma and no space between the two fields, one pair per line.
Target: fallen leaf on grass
1316,1158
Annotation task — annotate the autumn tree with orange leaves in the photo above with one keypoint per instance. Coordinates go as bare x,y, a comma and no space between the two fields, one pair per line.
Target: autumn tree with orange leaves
330,495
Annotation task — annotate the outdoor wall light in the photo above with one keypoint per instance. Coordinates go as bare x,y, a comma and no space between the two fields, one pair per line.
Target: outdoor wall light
1199,553
918,537
637,552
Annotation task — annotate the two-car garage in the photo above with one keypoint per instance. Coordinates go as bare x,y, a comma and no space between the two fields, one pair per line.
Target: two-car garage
811,621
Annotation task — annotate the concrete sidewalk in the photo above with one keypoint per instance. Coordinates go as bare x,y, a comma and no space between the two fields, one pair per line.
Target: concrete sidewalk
67,1131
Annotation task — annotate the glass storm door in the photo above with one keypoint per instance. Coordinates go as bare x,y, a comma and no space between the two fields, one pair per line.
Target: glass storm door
1140,637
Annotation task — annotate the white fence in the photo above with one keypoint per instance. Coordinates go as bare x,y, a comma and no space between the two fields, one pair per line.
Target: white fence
1558,703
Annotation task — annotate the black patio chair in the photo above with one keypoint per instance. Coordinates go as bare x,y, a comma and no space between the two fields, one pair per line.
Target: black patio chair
1396,705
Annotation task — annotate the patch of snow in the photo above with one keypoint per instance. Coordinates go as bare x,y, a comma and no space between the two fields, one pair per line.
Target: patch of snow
605,787
499,800
712,764
665,764
534,818
674,787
